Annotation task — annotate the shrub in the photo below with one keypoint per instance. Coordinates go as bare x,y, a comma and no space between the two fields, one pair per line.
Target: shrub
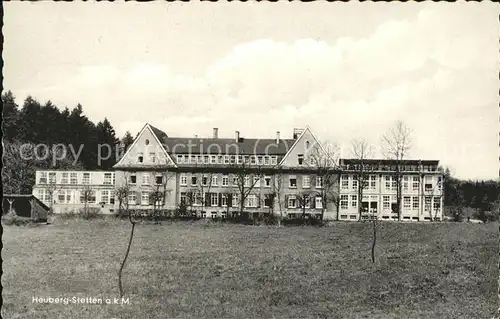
12,219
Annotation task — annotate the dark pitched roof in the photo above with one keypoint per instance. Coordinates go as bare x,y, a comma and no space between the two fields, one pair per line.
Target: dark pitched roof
159,133
219,146
27,197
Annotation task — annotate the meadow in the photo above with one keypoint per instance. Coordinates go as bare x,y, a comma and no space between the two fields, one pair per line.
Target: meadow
213,270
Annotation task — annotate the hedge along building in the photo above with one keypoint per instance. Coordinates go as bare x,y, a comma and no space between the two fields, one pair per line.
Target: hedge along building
227,176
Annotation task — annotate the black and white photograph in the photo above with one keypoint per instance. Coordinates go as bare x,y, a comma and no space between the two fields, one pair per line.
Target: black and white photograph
250,160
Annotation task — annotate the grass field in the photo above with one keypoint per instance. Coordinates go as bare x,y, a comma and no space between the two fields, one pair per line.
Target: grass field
205,270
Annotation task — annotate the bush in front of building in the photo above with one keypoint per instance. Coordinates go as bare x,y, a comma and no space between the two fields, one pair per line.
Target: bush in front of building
11,219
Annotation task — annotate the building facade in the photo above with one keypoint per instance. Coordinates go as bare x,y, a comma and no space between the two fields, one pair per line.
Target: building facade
74,191
220,177
422,195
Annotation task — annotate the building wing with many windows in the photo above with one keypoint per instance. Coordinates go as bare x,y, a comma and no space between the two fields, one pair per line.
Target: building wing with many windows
226,176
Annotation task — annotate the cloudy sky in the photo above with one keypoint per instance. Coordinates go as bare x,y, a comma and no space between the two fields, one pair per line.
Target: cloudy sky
348,70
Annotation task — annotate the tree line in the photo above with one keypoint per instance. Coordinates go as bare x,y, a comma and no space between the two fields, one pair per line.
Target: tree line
34,123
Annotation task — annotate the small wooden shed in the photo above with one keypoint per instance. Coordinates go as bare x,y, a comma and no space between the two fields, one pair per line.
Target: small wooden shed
25,205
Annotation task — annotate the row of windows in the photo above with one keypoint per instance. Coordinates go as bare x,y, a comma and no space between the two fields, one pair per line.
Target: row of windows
73,178
392,168
147,177
389,202
152,157
246,181
74,197
390,183
227,159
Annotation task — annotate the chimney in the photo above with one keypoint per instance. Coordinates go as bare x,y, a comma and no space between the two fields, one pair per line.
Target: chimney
216,132
237,136
196,136
277,137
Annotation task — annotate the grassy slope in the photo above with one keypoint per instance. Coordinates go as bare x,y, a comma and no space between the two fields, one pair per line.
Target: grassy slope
424,270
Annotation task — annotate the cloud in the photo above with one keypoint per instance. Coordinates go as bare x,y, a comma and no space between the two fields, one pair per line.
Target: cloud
436,71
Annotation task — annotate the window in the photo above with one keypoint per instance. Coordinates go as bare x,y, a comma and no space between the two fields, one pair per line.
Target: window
159,179
345,182
224,200
43,178
354,201
220,159
251,201
61,196
436,205
307,201
292,201
274,160
252,160
354,182
319,182
415,183
140,158
440,183
192,159
73,178
428,187
199,159
52,177
198,198
144,198
268,200
388,182
180,159
407,202
204,181
145,179
319,202
415,204
225,180
240,159
266,160
213,159
427,206
306,181
226,159
247,181
311,160
235,181
184,180
236,201
293,182
206,159
64,178
256,180
132,199
405,183
193,180
105,196
386,202
133,179
373,182
259,160
267,181
344,201
107,178
214,199
214,215
152,157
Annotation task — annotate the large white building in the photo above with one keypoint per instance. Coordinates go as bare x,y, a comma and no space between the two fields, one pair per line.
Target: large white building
280,176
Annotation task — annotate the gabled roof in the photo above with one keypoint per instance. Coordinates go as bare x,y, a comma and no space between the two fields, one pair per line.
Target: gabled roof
219,146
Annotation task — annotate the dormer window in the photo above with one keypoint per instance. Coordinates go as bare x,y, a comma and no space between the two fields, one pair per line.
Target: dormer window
140,158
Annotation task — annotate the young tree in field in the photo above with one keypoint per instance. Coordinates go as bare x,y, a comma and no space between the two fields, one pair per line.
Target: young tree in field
396,144
361,151
277,188
323,158
158,190
122,194
304,202
87,195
